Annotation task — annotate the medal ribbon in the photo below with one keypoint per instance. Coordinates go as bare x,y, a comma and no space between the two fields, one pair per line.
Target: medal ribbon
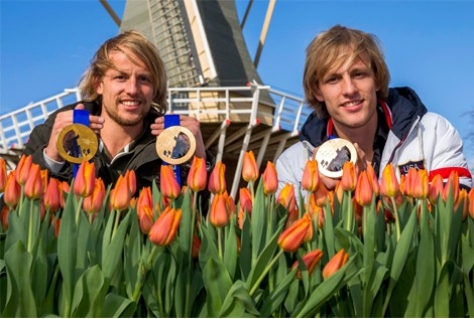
173,120
79,117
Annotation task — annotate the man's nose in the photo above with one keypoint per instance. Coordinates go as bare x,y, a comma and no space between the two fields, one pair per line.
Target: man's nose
132,85
348,86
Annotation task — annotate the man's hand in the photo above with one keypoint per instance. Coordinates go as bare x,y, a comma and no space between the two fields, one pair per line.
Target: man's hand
188,122
62,120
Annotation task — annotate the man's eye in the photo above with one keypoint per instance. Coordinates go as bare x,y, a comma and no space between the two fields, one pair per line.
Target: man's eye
331,80
120,77
145,79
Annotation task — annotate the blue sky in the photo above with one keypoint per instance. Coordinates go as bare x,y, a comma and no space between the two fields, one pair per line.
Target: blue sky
429,45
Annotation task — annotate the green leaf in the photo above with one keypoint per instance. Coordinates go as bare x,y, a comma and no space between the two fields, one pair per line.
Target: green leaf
245,248
277,295
112,256
87,294
230,247
20,300
238,303
441,299
116,306
217,283
258,224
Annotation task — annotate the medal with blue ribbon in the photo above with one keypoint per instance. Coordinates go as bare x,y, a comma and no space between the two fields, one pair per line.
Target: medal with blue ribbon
175,145
77,142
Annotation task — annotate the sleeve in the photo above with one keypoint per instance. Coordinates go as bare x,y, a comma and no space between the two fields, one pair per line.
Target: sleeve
445,146
290,166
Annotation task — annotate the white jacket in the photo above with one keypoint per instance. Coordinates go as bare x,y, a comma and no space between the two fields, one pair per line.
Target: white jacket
416,138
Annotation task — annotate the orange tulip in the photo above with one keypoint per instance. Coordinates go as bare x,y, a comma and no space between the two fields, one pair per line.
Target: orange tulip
219,216
471,203
12,192
56,222
52,196
120,196
310,232
286,197
270,179
339,191
245,199
217,184
241,218
463,202
34,187
453,183
310,179
84,181
230,204
436,189
336,263
132,181
93,203
418,183
349,176
3,174
168,184
321,195
316,211
197,176
389,184
165,228
23,169
196,246
145,219
310,260
364,192
249,168
373,179
293,236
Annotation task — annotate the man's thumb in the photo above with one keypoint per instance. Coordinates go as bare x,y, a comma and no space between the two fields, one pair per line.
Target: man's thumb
80,106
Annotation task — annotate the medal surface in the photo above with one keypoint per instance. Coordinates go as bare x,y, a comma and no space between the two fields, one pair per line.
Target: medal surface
176,145
332,155
77,143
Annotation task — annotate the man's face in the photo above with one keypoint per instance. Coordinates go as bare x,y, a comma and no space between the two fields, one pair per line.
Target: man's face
126,91
350,94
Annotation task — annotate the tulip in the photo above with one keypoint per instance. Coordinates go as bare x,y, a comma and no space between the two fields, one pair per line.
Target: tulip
196,246
4,217
389,184
373,179
197,176
132,181
120,196
92,204
145,219
286,197
241,218
34,187
52,198
168,184
12,192
336,263
249,169
364,192
310,179
339,191
293,236
316,211
245,199
310,232
349,177
463,202
436,189
230,204
452,184
219,217
471,203
56,222
165,228
310,261
3,174
23,169
321,194
217,184
270,179
84,181
419,184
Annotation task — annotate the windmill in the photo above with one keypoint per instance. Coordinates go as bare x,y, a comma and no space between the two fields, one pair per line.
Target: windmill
211,76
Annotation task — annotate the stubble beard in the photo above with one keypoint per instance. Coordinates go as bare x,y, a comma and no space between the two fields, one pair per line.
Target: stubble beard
115,116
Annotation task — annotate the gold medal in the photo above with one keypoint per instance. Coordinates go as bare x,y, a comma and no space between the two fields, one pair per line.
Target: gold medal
332,155
77,143
176,145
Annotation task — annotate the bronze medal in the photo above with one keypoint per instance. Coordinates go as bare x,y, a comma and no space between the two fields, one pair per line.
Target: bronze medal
77,143
176,145
332,155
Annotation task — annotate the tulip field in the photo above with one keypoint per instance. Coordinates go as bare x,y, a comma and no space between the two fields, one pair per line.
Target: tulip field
369,248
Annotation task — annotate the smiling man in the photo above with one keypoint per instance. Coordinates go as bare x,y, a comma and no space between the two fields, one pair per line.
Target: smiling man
346,82
124,91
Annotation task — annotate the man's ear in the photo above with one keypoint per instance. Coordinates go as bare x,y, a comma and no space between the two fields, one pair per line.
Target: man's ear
98,86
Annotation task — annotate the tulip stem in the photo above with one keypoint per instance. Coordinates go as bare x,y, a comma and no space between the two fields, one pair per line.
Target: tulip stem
397,218
78,209
264,273
219,241
30,228
142,272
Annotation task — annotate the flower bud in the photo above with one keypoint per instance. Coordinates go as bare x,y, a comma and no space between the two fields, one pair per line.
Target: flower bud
165,228
12,192
336,263
84,181
293,236
310,179
249,168
389,184
168,184
197,176
270,179
34,187
310,260
219,216
217,183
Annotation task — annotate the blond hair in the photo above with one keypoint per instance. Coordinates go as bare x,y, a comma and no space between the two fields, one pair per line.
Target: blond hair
136,43
340,46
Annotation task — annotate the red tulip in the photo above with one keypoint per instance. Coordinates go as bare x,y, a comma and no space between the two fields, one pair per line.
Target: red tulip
217,183
436,189
196,246
245,199
270,179
197,176
4,217
168,184
52,197
336,263
249,168
132,181
165,228
219,216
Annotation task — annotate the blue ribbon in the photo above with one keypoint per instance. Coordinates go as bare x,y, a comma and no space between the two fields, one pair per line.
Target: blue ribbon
173,120
79,117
